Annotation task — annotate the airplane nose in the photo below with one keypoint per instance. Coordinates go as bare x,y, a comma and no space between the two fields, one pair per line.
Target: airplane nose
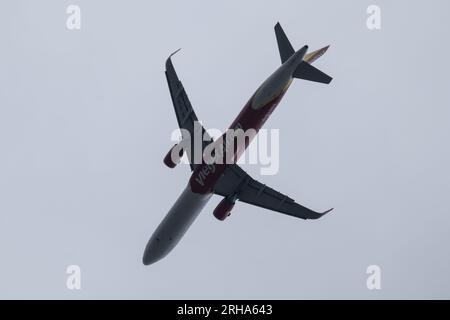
149,258
152,252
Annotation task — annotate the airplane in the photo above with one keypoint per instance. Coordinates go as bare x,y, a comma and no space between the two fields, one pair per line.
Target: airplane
228,179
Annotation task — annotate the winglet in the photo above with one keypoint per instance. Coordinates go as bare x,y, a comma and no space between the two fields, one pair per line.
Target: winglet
168,61
175,52
319,214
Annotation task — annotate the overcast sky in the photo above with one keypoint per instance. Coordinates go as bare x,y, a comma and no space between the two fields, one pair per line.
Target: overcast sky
86,119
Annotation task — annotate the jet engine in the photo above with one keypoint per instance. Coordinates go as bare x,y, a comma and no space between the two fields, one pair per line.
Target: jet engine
223,209
172,160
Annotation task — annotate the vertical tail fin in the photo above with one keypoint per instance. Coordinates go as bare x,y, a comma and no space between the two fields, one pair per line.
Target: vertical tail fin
313,56
284,46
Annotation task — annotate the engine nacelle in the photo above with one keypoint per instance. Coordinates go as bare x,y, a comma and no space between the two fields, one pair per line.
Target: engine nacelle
223,209
173,157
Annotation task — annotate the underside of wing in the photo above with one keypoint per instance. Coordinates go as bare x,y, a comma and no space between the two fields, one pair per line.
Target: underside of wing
186,117
236,182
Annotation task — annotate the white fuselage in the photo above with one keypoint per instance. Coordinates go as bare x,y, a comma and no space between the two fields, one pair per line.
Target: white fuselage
174,225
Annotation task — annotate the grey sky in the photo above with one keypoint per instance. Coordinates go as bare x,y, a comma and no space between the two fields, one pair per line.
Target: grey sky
86,117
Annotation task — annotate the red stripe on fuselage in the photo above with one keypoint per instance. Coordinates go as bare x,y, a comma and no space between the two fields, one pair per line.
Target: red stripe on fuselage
205,176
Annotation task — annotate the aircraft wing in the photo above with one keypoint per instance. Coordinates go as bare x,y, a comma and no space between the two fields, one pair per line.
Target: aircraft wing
186,116
235,181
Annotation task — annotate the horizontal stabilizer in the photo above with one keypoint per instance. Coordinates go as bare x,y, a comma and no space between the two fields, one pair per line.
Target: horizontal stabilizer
306,71
284,46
